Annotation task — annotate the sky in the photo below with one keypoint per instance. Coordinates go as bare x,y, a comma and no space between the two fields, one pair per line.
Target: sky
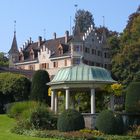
44,17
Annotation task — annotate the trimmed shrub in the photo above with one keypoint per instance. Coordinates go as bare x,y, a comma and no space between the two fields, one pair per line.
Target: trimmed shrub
39,89
132,103
107,123
70,120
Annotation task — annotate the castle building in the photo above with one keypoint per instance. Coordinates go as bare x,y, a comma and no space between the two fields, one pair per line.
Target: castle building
59,52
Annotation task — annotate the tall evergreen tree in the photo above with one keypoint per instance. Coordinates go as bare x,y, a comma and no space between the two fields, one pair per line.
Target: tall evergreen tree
83,20
39,89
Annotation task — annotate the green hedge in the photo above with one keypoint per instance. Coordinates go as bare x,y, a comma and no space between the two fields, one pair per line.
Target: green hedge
132,103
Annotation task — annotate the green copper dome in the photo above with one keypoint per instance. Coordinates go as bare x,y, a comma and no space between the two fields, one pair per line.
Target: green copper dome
82,73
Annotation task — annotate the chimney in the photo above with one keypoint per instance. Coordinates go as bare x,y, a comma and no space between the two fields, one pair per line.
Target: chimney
66,36
39,40
30,40
54,35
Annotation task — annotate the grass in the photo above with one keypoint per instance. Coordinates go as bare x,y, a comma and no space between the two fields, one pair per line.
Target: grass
6,124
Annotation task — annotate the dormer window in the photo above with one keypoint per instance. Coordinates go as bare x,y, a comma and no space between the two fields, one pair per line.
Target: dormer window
60,51
32,54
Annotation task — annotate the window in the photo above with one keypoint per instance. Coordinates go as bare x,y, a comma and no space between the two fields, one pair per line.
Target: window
31,67
55,64
76,61
47,65
98,53
60,51
65,62
43,65
106,55
87,50
77,48
93,51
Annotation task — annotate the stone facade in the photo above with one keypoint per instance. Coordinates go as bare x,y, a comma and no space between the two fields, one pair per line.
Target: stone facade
56,53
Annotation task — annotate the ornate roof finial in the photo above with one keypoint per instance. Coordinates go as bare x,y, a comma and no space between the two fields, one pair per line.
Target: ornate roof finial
14,27
103,21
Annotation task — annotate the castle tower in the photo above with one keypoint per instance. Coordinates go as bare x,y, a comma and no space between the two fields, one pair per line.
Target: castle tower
13,52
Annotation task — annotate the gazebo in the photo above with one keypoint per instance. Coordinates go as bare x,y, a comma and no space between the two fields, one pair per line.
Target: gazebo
80,76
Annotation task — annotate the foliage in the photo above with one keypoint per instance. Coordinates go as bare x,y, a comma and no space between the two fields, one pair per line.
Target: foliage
83,20
135,131
39,89
137,77
13,87
17,108
115,89
32,115
70,120
126,61
132,103
3,59
94,132
119,124
81,101
16,85
106,122
114,43
6,124
42,118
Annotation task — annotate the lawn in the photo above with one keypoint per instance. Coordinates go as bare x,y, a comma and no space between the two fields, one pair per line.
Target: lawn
6,124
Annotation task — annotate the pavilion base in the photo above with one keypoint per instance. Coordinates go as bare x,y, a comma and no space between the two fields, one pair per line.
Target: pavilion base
90,120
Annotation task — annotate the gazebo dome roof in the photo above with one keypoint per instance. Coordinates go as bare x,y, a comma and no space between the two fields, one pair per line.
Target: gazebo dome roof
82,73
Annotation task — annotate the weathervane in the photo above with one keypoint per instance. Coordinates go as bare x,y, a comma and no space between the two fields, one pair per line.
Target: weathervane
76,5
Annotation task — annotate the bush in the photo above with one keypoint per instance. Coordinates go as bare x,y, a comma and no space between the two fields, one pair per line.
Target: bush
132,103
39,89
108,123
17,108
135,131
42,118
119,124
70,120
32,115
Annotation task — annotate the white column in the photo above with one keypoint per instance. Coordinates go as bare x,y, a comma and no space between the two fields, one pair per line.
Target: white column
67,99
52,100
92,101
112,102
56,103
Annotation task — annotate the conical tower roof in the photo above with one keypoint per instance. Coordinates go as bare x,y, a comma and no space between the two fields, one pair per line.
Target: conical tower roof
14,47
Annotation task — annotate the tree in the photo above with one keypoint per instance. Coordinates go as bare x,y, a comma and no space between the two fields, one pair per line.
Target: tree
3,59
126,62
39,89
83,20
114,43
15,85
